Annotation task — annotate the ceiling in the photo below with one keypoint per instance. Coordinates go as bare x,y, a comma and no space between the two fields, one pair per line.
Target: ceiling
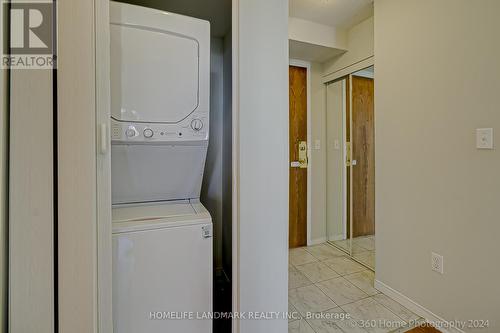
311,52
335,13
218,12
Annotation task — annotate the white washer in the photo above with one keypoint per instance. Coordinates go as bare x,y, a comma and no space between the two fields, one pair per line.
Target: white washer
162,258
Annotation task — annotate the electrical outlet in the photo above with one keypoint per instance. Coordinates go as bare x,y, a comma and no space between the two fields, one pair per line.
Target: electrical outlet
437,263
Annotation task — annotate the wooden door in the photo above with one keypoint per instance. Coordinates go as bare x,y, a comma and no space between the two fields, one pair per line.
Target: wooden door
298,176
363,152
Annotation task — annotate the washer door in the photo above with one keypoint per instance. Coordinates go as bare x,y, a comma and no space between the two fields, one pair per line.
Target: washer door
154,75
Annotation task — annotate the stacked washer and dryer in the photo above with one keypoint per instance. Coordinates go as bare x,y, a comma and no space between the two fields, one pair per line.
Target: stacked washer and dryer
162,234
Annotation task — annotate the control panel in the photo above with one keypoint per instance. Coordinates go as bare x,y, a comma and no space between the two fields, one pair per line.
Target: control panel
192,129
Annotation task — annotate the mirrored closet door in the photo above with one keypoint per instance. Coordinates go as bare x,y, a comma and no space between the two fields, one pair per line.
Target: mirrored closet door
350,159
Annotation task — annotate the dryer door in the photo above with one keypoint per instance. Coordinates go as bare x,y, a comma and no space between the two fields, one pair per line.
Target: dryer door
154,74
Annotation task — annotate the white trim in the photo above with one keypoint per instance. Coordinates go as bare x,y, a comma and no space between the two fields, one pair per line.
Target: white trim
335,238
317,241
235,44
370,61
351,203
103,169
307,66
413,306
344,159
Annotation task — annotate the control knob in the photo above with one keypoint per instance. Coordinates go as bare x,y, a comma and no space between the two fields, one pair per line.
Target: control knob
196,124
148,133
130,132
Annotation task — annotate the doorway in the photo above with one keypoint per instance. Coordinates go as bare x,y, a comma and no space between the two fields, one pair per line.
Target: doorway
351,165
298,96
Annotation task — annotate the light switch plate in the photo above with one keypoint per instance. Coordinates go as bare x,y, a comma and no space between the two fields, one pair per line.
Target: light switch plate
317,144
484,138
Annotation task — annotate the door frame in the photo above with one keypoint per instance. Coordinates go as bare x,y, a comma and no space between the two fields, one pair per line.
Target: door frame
102,307
345,82
307,66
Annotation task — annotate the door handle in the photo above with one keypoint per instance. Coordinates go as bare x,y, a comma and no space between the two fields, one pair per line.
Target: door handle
303,154
348,154
103,129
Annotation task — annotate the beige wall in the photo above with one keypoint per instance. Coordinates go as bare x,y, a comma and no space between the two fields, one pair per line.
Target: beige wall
77,169
359,47
435,191
31,205
316,34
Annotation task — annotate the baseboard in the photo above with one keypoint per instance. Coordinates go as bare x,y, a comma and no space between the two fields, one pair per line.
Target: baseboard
317,241
337,237
418,309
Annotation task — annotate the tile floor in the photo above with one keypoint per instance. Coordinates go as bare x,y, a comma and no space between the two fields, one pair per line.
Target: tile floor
330,293
363,249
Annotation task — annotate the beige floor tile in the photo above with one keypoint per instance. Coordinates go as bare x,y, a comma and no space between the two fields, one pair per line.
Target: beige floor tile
317,271
367,258
297,257
297,251
293,313
296,279
310,299
299,326
345,244
365,242
341,291
333,321
396,308
358,249
324,252
344,265
364,281
379,318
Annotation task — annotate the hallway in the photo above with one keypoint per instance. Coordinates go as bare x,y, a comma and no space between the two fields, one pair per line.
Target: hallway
328,292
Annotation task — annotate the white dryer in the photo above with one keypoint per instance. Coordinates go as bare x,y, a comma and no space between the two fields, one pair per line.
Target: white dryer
162,245
160,89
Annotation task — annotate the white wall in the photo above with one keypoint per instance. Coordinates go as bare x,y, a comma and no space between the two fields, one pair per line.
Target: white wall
314,33
262,142
359,47
437,80
4,109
